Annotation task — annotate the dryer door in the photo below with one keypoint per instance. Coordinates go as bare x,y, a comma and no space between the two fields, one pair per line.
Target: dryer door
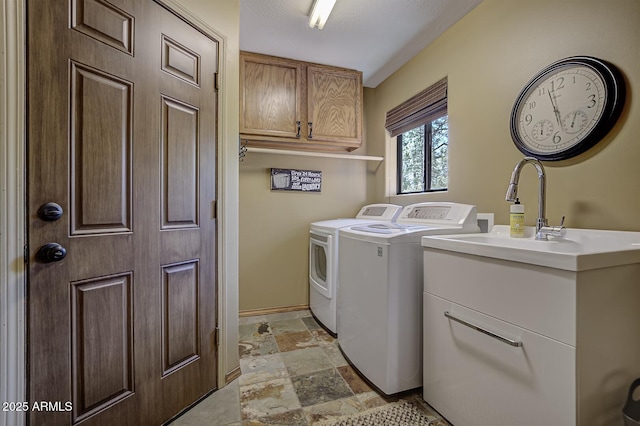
320,264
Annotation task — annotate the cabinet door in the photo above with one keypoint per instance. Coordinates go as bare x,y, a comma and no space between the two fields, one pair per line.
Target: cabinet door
334,99
270,96
474,379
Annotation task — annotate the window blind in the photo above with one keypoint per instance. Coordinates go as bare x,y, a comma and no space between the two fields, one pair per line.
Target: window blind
420,109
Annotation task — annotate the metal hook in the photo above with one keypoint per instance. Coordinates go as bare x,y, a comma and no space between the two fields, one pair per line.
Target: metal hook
243,149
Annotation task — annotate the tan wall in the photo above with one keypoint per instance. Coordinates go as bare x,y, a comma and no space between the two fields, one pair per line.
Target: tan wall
488,57
274,225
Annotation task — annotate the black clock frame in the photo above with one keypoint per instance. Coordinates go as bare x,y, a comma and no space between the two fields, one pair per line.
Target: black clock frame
615,98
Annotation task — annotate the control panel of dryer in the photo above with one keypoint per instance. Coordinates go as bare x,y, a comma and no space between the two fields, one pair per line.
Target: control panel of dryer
429,212
438,213
386,212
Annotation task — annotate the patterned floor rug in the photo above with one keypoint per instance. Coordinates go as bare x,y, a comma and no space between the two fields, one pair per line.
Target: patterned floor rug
400,413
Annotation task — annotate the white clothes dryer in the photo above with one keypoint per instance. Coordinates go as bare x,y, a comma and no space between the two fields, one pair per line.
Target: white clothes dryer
379,304
323,259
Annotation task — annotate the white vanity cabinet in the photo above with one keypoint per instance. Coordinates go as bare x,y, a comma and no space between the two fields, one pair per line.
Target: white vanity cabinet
524,344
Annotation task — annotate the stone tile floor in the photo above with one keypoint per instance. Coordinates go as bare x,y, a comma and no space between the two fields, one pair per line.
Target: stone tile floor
293,373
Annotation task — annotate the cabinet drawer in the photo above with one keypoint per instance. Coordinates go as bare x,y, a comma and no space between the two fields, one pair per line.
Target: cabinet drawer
542,300
474,379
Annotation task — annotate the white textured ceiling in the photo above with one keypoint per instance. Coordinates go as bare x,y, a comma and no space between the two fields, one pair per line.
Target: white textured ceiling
374,36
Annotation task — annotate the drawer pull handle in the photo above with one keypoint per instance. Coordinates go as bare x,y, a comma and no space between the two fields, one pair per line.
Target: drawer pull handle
483,331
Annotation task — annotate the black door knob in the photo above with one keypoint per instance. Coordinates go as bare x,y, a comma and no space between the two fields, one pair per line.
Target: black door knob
51,252
50,212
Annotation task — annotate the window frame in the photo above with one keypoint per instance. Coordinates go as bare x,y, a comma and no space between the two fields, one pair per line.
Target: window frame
421,109
427,147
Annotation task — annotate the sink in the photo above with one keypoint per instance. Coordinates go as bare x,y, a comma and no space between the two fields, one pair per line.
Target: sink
579,250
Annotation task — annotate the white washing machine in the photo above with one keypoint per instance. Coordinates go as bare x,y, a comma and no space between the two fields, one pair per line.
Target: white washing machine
380,293
323,259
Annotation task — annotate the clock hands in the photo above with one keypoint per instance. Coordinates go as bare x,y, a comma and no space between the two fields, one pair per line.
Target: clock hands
554,103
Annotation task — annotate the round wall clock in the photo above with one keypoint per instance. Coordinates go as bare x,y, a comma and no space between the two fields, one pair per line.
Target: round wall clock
567,108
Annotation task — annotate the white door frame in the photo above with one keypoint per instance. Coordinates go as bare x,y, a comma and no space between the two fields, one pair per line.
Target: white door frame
13,384
12,209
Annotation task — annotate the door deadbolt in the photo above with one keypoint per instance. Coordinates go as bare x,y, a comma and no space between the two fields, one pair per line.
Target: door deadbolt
51,252
50,212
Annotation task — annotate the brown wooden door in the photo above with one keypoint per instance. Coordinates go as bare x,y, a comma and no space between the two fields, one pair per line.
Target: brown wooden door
122,135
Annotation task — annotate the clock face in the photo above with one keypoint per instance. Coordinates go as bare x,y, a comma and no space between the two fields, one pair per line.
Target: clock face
567,108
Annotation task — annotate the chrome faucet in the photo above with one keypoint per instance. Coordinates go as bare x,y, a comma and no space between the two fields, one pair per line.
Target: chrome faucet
542,230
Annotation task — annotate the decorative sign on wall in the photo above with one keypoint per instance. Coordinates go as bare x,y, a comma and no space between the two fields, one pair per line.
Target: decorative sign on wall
296,180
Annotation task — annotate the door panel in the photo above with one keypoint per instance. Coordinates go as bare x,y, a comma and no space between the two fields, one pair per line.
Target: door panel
100,161
102,343
104,22
122,134
180,315
179,164
180,61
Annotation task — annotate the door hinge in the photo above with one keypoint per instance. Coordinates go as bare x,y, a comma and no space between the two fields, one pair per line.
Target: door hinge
217,336
214,209
216,83
26,254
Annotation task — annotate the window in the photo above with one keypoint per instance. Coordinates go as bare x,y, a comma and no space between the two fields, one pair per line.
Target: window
422,158
422,128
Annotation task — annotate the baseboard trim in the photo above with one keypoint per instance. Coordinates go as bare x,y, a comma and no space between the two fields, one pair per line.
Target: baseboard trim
253,312
232,375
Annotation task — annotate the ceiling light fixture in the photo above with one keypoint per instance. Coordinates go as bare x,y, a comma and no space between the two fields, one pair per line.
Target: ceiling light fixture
320,12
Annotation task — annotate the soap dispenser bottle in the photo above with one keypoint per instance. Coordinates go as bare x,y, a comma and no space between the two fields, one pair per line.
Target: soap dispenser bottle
516,219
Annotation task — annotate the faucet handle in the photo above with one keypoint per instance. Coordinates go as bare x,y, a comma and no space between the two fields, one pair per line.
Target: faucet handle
553,231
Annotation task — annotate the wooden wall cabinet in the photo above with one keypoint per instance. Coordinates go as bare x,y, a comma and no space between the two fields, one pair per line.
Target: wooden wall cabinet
298,105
